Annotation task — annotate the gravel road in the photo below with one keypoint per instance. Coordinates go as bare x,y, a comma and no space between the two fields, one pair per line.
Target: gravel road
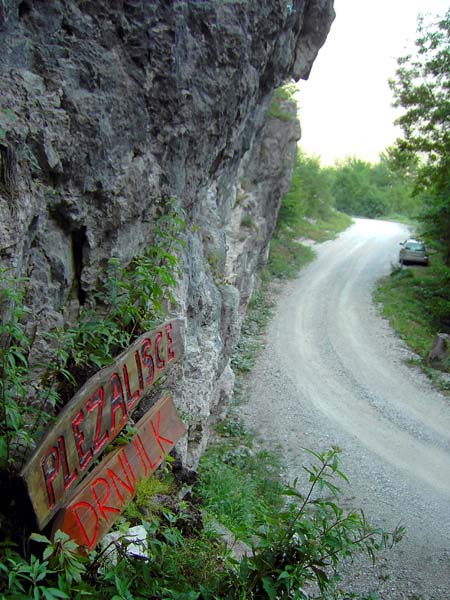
333,373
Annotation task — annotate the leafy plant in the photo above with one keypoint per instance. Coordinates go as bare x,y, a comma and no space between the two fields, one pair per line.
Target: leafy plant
58,574
134,297
23,579
306,541
296,543
138,294
14,350
63,557
283,104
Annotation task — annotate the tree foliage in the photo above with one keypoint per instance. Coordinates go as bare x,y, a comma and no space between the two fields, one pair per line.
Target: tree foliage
375,190
422,88
355,191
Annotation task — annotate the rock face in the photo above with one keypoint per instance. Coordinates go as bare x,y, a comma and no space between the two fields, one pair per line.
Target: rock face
440,353
110,107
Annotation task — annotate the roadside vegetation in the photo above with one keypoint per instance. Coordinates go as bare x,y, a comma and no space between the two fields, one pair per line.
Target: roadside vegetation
295,539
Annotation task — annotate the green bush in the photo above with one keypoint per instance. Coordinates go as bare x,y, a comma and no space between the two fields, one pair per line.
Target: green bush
14,351
283,103
298,537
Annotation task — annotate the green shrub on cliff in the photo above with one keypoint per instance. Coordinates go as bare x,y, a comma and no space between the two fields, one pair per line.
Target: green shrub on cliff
283,105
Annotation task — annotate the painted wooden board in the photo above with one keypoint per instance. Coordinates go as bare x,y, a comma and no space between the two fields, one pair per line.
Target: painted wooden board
103,495
95,416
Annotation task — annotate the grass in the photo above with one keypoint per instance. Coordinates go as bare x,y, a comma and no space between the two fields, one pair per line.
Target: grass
305,214
143,502
258,315
240,485
416,301
325,226
403,309
287,257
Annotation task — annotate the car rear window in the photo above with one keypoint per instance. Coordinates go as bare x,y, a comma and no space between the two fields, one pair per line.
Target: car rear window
415,246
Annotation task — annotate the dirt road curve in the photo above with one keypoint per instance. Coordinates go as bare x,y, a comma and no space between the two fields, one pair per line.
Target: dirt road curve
333,373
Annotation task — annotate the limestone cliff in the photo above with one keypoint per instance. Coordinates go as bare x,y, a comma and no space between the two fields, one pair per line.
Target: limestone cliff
110,106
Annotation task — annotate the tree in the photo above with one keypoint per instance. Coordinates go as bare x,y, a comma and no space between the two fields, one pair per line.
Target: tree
396,180
311,191
355,191
422,88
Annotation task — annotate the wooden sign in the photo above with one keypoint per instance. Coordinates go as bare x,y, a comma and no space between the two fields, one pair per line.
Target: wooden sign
95,416
103,495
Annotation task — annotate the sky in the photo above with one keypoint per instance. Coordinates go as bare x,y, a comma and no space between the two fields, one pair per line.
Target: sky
345,105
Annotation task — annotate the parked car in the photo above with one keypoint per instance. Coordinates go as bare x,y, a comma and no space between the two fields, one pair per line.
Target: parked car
413,251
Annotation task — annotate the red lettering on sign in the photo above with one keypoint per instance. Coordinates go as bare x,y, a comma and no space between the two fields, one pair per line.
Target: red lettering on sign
117,402
147,359
125,458
131,398
83,457
69,478
140,455
137,359
170,352
97,401
95,416
101,503
159,361
98,503
157,461
159,438
126,485
50,473
91,541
